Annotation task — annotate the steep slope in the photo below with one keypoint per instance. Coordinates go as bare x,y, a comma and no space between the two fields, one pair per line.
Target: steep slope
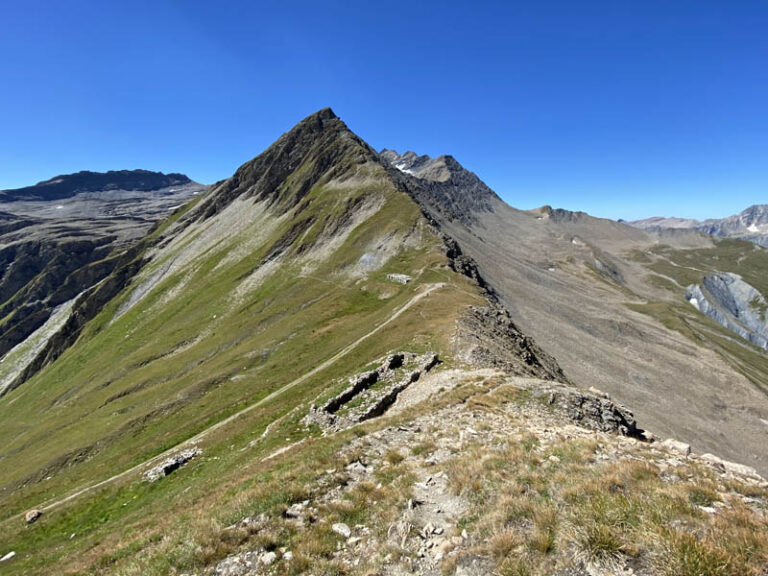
750,224
734,304
60,238
608,301
247,306
444,185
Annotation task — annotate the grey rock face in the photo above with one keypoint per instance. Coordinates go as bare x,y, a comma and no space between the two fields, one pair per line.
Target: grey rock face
734,304
443,184
597,412
396,373
488,338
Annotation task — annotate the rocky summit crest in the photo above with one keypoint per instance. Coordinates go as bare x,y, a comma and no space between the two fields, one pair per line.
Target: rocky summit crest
443,184
319,148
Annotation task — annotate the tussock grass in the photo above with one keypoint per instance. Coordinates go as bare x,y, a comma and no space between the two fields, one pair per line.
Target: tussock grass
536,515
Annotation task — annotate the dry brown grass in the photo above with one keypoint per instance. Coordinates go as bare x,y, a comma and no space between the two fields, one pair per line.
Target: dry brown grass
537,513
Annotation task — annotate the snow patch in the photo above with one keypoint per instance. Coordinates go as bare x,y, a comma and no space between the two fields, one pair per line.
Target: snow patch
402,167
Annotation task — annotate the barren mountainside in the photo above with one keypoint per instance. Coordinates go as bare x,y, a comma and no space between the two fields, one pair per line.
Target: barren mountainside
608,301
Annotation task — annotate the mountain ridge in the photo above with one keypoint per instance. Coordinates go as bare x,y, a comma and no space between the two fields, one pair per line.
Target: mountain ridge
345,367
543,266
68,185
750,224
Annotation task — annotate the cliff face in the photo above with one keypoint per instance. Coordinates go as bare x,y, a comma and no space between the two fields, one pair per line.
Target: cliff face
62,237
734,304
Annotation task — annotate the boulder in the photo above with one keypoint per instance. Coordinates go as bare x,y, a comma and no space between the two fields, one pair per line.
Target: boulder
32,516
672,445
732,467
268,558
399,278
342,530
172,464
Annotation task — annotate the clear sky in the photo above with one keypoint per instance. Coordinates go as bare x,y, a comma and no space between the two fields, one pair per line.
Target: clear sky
622,109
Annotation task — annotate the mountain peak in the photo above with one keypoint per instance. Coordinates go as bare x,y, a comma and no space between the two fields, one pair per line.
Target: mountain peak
318,121
323,114
444,182
319,148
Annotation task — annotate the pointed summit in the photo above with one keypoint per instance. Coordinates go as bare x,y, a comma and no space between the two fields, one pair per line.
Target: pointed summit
444,184
317,149
323,114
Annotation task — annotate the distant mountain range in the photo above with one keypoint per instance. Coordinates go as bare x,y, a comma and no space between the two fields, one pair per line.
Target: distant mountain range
750,224
68,185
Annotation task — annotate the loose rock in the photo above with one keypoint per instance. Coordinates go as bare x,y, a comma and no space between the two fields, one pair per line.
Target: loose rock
672,445
32,516
342,530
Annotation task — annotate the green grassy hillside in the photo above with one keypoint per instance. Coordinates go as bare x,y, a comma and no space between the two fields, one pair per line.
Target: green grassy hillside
233,306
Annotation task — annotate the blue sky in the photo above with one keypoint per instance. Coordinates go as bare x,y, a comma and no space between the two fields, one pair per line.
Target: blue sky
622,109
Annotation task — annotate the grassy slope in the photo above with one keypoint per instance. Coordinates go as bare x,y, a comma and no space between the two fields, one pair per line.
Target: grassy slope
688,267
168,368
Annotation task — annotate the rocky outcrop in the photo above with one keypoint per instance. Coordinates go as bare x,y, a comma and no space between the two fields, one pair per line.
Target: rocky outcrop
382,404
172,464
734,304
488,338
591,409
393,376
463,264
359,383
